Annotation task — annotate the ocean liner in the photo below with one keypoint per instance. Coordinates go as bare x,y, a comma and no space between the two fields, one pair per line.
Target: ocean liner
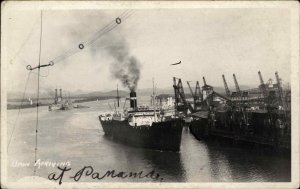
144,127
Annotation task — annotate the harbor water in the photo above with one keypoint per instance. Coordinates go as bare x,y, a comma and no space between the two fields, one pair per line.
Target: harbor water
76,136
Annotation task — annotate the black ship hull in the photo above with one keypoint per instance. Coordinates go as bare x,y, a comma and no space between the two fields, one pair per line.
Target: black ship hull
164,136
199,128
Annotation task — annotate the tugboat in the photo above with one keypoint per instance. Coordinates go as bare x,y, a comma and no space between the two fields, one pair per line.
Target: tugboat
144,127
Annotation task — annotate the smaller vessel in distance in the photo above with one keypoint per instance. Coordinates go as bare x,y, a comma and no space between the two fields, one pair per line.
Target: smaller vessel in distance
60,103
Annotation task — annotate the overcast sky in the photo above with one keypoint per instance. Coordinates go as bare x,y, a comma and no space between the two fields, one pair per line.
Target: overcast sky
208,42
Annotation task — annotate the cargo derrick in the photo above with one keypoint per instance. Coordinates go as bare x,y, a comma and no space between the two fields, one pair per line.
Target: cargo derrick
268,96
208,101
214,106
228,93
206,91
197,96
205,120
284,95
241,123
238,92
181,105
263,89
209,95
228,118
280,93
208,105
240,114
271,121
283,119
226,87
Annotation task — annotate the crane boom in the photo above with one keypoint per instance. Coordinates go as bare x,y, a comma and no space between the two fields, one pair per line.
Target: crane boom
204,82
198,91
260,78
226,86
192,93
196,94
236,85
180,96
221,96
280,91
262,85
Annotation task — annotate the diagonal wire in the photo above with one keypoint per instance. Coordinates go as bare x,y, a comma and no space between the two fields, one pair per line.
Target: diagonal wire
110,26
23,96
25,41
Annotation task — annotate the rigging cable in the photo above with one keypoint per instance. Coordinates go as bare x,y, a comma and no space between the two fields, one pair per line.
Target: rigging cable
23,96
38,95
24,42
48,72
110,26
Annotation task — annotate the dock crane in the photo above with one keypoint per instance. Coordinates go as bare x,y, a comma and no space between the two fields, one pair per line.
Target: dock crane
280,91
238,91
206,89
241,105
237,87
226,86
262,85
210,93
180,100
192,93
204,82
197,95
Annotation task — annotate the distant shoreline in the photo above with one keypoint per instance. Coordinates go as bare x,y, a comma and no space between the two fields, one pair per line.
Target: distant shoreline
26,104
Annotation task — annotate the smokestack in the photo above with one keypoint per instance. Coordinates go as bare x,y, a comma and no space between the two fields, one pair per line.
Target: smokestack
133,101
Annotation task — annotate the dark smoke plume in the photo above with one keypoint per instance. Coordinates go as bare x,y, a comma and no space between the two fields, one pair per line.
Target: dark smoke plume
125,67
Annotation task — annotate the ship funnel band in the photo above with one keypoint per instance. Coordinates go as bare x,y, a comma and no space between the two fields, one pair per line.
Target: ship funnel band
133,101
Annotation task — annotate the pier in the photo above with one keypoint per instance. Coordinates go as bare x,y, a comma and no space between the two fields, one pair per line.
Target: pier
259,116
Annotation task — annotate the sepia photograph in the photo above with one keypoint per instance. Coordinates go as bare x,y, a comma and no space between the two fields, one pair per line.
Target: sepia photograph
149,94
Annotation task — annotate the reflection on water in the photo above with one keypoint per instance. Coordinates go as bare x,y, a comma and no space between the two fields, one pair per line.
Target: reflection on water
167,164
76,136
250,164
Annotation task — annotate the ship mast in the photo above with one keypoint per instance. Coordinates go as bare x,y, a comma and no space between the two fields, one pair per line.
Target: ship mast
28,67
118,98
154,104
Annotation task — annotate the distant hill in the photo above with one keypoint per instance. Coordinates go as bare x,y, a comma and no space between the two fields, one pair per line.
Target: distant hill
102,94
91,94
82,94
170,91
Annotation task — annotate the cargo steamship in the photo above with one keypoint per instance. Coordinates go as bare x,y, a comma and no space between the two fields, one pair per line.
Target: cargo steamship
144,127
